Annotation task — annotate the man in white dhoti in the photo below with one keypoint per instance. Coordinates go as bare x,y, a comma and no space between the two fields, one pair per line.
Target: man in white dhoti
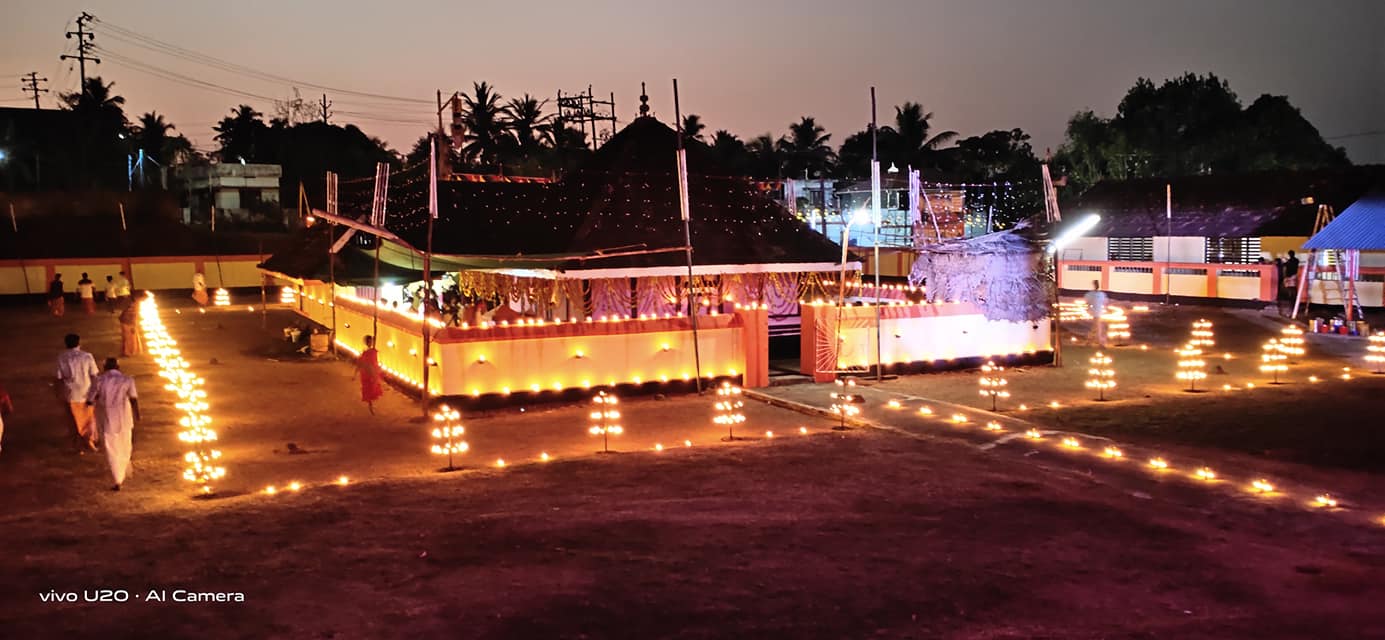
117,409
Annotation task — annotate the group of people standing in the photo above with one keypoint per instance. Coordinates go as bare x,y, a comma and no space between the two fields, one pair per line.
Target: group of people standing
117,291
104,406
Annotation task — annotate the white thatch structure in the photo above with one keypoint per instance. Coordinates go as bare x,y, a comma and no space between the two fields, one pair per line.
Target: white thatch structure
1002,273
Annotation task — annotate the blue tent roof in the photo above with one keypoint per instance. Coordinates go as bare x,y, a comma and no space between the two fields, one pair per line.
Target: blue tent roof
1360,226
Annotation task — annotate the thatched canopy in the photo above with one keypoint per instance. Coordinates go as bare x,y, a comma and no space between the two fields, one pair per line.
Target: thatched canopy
1002,273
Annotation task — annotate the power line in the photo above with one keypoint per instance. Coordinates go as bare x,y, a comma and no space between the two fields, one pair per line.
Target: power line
1359,134
148,42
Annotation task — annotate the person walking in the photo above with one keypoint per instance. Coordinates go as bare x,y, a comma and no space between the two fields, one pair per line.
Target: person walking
86,292
368,369
76,371
130,342
1096,307
110,293
1291,276
56,303
116,402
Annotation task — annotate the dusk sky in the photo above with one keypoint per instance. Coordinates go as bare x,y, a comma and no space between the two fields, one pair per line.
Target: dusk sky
747,66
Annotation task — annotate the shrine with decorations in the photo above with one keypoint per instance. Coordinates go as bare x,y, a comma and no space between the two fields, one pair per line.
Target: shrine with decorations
550,288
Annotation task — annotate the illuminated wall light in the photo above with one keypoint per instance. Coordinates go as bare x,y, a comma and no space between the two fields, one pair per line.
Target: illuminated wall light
481,359
664,347
1158,463
1325,500
1205,473
579,354
343,480
1262,486
1033,434
994,426
1072,443
295,486
1112,452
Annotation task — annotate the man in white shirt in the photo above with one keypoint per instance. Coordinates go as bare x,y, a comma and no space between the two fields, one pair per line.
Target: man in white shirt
110,293
117,408
76,371
122,289
1096,306
86,292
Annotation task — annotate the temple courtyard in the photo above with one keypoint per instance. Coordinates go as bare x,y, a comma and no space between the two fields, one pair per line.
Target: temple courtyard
931,517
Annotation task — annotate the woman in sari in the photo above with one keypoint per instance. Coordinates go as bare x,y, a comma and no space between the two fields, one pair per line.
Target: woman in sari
130,342
368,369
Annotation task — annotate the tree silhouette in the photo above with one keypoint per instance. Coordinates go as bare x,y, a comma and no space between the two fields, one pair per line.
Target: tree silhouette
485,123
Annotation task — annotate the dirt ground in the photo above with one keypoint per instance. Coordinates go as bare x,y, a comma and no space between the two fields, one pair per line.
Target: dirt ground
927,530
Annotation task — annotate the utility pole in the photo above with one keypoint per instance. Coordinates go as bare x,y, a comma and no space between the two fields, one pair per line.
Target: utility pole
84,44
32,81
325,104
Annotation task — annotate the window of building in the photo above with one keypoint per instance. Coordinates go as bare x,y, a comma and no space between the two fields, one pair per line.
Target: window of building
1130,249
1233,250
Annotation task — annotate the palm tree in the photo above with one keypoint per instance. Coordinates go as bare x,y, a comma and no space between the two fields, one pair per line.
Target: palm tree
485,124
529,124
102,129
151,135
239,134
730,151
692,128
767,158
912,125
806,147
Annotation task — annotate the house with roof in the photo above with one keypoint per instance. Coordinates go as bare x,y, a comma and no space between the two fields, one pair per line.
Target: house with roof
584,282
1209,236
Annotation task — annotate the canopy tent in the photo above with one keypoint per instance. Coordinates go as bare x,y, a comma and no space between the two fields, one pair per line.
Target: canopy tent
1359,227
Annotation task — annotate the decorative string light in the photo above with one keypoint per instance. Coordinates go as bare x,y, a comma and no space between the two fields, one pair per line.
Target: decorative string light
447,434
1191,368
1203,338
1375,351
992,383
1112,452
1291,343
287,295
1100,376
1072,443
1262,486
1272,360
1158,463
202,463
604,417
1205,473
221,298
1117,325
728,409
1325,500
